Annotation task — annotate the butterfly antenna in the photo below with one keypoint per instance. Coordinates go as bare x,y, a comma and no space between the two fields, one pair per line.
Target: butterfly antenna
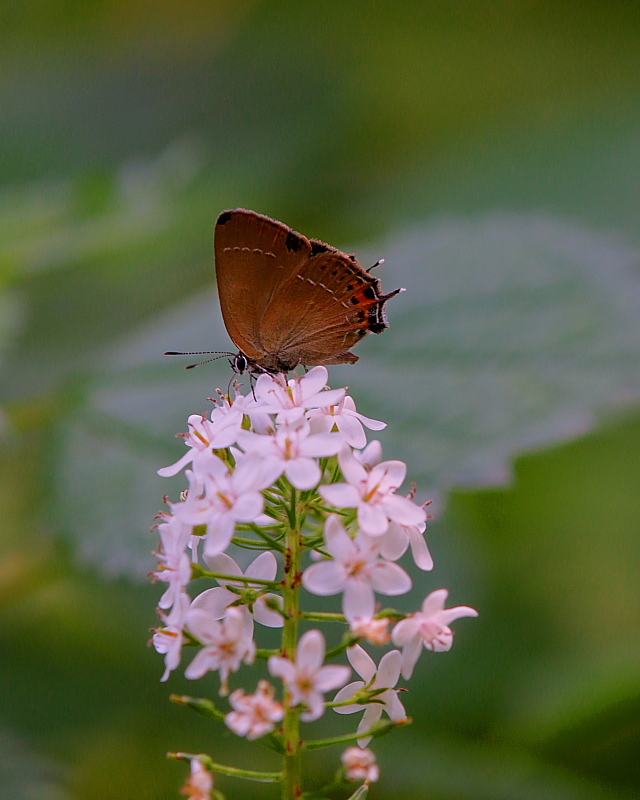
378,263
200,363
198,353
219,354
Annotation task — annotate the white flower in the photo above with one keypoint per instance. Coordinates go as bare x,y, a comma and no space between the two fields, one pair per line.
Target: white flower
306,679
226,644
385,677
202,438
215,601
357,569
370,456
360,764
169,639
346,419
372,492
254,715
200,782
174,565
395,541
221,498
371,629
293,450
429,628
289,399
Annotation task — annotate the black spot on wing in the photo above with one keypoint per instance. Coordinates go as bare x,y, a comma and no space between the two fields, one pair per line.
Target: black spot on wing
293,242
225,217
370,293
319,247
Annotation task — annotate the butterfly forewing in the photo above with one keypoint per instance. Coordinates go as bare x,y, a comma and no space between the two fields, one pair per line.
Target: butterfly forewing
255,256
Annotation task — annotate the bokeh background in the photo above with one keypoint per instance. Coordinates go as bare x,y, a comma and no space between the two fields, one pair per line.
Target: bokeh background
490,152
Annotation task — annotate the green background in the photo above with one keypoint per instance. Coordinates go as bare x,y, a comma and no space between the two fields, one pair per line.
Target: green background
489,151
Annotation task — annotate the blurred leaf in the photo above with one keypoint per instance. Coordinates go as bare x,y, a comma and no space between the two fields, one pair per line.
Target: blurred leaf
516,331
590,723
435,768
24,775
47,225
557,642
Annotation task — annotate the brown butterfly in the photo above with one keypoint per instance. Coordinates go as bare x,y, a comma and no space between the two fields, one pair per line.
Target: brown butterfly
288,300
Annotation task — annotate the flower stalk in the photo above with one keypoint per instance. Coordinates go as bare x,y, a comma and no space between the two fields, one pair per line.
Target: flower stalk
291,600
283,471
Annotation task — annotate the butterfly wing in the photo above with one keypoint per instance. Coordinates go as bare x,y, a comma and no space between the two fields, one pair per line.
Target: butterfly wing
255,257
330,302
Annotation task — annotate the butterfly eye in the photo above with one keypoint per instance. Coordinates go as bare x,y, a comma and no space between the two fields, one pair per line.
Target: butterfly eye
240,364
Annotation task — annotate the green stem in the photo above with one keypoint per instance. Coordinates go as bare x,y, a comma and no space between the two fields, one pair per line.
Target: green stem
379,729
240,579
323,616
199,704
223,769
291,789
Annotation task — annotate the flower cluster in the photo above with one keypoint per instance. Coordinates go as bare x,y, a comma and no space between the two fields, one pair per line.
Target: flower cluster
286,470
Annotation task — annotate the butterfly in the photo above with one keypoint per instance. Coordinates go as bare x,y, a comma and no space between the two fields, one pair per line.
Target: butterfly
288,300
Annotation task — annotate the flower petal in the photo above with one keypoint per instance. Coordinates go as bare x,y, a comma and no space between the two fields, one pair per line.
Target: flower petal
340,495
371,715
390,579
319,445
410,654
372,520
451,614
224,564
353,471
264,567
313,382
406,629
402,510
304,473
332,676
199,666
265,615
310,650
202,625
324,578
389,474
434,602
419,549
389,669
395,709
338,541
394,542
248,506
362,662
344,694
214,601
282,668
358,600
352,431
